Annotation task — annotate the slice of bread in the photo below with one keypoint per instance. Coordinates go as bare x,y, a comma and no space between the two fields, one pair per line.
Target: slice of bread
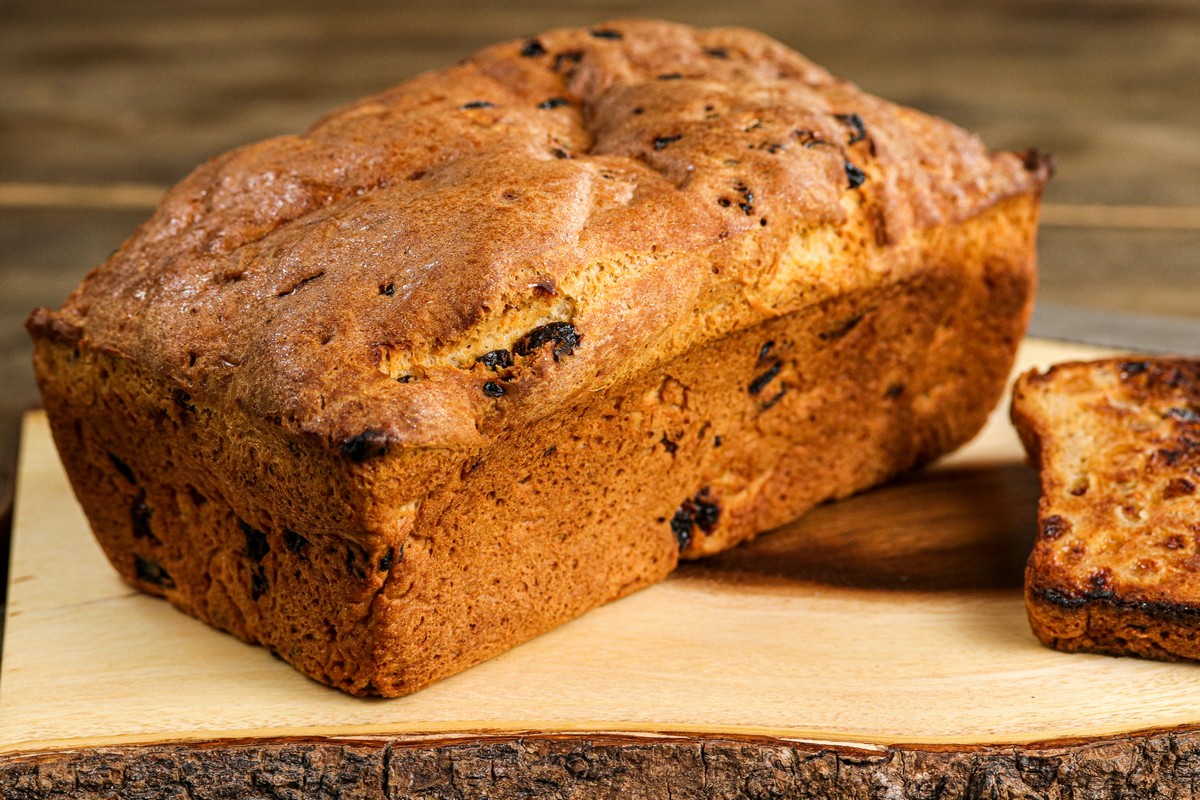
1116,565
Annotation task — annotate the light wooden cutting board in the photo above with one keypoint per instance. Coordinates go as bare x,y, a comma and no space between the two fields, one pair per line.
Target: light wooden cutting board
876,648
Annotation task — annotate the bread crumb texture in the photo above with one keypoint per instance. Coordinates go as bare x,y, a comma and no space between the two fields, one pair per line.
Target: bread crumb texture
499,344
1114,567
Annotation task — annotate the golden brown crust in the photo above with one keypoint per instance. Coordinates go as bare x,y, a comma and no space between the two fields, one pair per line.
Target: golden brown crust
438,215
1117,441
503,343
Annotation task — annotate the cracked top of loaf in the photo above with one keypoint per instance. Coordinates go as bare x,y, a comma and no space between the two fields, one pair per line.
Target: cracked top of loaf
481,244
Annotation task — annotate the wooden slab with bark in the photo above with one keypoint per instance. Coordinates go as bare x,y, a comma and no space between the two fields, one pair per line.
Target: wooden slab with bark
876,648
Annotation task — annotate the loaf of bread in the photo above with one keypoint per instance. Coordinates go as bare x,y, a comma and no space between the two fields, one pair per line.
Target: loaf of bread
1114,568
503,343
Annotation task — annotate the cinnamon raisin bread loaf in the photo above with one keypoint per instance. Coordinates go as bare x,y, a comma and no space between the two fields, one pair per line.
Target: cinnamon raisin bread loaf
505,342
1114,568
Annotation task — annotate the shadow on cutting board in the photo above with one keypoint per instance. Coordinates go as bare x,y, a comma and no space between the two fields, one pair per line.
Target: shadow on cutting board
942,530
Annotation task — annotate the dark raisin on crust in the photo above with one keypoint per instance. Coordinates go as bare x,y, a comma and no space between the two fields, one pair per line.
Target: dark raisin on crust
369,444
747,202
294,542
152,572
668,444
257,545
716,52
494,389
385,563
563,334
858,131
139,518
894,391
183,400
707,513
533,48
496,359
476,104
606,33
388,289
122,468
554,102
760,382
662,141
841,329
670,76
681,526
1055,526
699,511
855,177
1131,368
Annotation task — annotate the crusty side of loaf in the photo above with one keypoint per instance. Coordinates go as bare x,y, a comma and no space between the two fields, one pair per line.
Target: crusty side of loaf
403,570
1114,566
481,352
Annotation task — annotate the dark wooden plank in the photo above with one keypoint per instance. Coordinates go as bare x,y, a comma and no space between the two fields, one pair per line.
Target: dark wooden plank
141,91
1142,271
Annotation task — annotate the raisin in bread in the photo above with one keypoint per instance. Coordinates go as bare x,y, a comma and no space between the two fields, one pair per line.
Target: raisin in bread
505,342
1114,569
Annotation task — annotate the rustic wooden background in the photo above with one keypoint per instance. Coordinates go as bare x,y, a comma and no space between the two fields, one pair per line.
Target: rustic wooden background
104,104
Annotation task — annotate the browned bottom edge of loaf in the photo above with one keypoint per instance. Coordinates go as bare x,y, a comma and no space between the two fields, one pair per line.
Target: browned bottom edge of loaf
1113,625
552,520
